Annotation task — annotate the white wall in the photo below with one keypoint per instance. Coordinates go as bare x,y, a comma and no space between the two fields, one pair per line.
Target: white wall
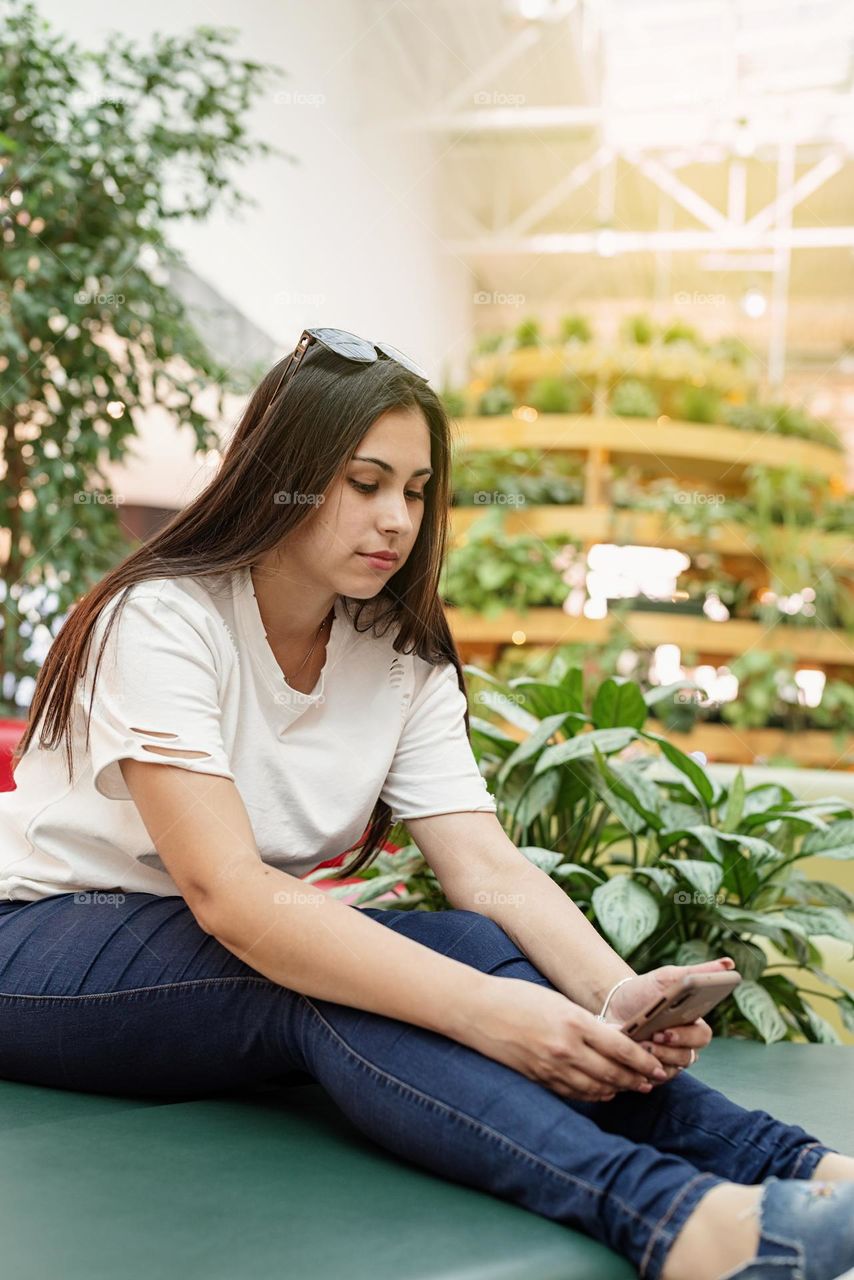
345,237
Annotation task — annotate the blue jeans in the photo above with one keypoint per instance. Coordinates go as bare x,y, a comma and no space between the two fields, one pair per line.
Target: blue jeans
126,994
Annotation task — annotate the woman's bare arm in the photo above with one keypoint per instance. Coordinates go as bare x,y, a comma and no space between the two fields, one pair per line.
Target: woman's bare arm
289,931
298,936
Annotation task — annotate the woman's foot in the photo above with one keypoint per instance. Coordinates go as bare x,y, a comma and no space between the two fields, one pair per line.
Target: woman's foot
791,1229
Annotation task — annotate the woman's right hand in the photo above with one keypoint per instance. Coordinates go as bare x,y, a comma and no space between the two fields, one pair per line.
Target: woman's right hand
547,1037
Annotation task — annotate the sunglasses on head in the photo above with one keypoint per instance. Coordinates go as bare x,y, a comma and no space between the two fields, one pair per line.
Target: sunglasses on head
348,345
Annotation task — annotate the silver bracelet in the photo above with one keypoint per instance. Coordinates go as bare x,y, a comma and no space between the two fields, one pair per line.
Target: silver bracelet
600,1017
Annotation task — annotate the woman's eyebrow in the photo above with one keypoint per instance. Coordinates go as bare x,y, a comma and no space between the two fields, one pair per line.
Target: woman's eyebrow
424,471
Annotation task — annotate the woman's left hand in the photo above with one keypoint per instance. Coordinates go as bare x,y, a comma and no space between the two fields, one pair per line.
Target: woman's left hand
679,1046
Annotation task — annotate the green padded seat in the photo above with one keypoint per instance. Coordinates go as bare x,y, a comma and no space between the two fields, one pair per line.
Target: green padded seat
277,1185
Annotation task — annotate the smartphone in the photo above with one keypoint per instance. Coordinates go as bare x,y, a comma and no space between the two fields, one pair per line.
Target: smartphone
690,997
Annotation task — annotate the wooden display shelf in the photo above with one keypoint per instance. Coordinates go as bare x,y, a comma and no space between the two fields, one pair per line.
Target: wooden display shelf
809,748
687,448
590,524
721,743
592,362
708,639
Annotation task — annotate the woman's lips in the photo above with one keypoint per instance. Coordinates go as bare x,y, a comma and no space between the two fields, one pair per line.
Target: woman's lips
379,562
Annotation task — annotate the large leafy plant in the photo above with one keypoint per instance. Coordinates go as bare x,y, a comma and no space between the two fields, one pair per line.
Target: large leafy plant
669,864
101,153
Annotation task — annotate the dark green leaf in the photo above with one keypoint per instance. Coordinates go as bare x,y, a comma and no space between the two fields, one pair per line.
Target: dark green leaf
696,775
618,704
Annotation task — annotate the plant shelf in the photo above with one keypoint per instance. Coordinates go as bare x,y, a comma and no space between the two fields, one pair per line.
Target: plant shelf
646,528
709,639
687,448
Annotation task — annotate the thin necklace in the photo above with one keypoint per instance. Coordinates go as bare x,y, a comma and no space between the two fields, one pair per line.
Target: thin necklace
311,650
314,643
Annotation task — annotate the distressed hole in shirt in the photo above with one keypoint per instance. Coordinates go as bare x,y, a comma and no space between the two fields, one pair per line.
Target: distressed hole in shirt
167,751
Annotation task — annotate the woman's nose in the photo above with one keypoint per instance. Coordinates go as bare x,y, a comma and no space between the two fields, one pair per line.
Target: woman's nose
396,515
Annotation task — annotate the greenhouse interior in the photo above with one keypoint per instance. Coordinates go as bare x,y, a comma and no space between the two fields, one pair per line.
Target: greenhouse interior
603,250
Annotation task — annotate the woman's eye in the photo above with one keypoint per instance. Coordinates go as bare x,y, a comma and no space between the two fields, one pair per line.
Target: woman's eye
372,488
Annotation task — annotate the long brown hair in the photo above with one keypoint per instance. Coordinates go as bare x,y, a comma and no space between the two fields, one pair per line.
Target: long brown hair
299,440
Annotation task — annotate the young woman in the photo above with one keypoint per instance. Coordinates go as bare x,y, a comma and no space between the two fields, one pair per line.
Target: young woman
267,680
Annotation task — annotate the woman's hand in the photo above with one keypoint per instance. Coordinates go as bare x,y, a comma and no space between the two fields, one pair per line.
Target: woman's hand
550,1039
679,1046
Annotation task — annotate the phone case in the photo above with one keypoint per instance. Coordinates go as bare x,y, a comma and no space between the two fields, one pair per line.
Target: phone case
692,998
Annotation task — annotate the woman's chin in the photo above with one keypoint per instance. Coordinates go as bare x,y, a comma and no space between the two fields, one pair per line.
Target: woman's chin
362,590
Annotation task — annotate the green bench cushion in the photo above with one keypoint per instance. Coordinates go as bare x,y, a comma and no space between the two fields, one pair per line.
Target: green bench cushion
278,1185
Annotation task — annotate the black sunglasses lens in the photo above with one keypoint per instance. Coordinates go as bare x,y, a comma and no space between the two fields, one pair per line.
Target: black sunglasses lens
392,352
348,345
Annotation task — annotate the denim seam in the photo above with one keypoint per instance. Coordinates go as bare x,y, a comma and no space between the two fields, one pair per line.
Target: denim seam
134,991
475,1124
812,1146
677,1199
719,1137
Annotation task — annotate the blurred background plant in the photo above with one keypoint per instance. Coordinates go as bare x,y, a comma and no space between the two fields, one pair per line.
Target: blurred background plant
490,570
669,864
101,152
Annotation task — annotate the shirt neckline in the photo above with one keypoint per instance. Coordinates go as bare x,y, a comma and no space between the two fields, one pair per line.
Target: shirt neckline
246,604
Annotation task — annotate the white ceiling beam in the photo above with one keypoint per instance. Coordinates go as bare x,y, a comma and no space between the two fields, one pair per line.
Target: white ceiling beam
694,241
834,123
550,199
410,70
503,119
463,94
736,192
674,187
786,201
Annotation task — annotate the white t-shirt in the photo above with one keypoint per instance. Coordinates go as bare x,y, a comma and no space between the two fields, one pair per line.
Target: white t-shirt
189,656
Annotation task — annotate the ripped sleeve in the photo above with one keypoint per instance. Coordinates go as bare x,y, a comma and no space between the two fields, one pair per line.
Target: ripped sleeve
155,698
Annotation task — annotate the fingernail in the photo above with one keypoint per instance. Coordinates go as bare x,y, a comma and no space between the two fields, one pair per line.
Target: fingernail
659,1074
659,1037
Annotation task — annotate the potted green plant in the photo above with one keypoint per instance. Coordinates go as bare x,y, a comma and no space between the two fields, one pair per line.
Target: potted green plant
490,571
574,328
632,398
672,866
